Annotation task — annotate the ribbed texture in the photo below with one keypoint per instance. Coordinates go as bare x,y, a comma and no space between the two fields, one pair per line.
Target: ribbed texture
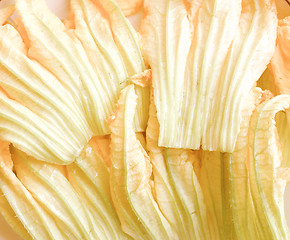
38,223
115,55
90,178
50,188
165,41
128,43
126,38
130,177
265,159
39,116
32,134
177,189
62,53
239,192
224,182
200,82
214,29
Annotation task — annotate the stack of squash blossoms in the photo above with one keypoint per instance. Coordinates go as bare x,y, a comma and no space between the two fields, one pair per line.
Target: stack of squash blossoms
180,131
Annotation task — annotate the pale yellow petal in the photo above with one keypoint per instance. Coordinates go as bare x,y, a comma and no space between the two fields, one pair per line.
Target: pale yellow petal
176,186
52,190
130,175
39,116
38,223
265,159
90,178
59,50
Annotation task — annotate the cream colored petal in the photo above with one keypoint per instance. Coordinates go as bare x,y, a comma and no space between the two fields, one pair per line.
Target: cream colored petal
90,178
95,33
176,187
224,180
128,43
36,220
59,50
240,197
166,37
38,106
248,56
130,175
265,159
200,81
51,189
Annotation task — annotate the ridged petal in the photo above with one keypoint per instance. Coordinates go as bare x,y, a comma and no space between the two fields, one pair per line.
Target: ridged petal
130,174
